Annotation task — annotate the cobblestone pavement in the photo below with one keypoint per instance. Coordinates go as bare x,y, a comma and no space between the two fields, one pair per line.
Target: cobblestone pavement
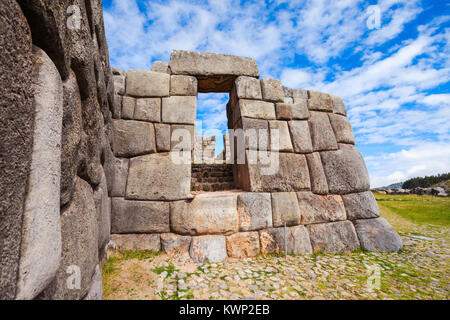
419,271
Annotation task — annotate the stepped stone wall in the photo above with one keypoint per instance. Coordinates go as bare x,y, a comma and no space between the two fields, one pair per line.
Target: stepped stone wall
56,98
292,158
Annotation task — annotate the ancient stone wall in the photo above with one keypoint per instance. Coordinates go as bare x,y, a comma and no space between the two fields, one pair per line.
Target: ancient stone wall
56,98
293,158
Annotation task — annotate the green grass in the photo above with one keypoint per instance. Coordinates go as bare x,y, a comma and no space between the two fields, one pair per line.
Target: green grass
418,209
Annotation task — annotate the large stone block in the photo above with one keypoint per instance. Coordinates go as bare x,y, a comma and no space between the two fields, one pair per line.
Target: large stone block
319,183
103,207
361,206
342,128
297,240
159,177
71,137
248,88
378,235
16,137
79,256
272,90
136,242
128,107
256,132
284,172
182,137
142,83
172,243
319,209
133,138
345,170
334,237
206,214
120,175
322,134
338,105
257,109
255,211
301,136
215,72
179,109
206,249
139,216
320,101
183,85
283,143
243,245
41,229
294,111
148,109
285,209
162,137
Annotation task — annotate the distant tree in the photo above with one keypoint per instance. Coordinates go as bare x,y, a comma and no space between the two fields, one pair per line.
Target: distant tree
425,182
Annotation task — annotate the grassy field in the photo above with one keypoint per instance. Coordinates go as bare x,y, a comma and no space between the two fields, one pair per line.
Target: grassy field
418,209
421,270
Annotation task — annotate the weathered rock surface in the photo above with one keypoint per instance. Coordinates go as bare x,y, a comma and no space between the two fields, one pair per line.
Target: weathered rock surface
285,209
255,211
361,206
301,136
118,182
79,256
139,216
162,137
342,128
345,170
96,290
257,109
103,207
248,88
338,105
256,132
297,240
183,85
134,242
318,209
133,138
148,110
320,101
285,172
208,249
319,183
172,243
377,235
161,66
16,137
334,237
128,107
41,235
272,90
206,214
295,111
147,84
283,143
243,245
322,134
182,137
179,109
158,177
215,72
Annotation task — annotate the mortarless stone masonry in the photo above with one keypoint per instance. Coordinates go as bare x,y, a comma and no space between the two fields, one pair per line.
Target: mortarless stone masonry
119,168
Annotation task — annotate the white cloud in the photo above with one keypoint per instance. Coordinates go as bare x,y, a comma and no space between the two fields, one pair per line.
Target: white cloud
427,159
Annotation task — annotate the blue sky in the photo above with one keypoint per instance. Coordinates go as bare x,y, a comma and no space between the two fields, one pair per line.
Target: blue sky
394,79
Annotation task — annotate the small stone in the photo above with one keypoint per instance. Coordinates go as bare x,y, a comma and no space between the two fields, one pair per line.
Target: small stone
320,101
183,85
255,211
342,129
301,136
248,88
128,106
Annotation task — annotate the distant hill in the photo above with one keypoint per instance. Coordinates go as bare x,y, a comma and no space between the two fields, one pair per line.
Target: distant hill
394,186
426,182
